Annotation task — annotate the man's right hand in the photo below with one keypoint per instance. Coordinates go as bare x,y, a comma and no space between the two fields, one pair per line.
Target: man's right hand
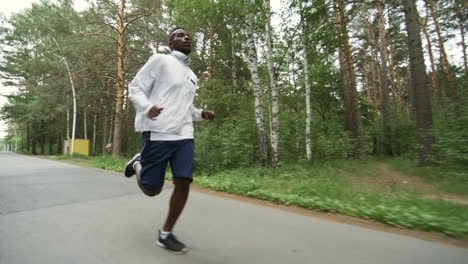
154,112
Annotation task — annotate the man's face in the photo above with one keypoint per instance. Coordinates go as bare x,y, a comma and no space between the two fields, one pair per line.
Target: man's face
181,41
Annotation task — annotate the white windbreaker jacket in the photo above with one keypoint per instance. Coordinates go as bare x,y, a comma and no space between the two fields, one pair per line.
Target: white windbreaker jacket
166,81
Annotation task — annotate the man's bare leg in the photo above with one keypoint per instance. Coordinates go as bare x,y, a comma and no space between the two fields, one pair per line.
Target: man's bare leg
177,202
137,166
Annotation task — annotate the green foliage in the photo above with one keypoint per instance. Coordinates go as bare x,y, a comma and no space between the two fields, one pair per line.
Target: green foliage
321,187
226,144
110,163
450,134
404,134
330,141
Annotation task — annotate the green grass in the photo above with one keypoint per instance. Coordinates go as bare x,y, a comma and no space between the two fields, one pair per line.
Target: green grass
451,178
322,186
72,157
110,163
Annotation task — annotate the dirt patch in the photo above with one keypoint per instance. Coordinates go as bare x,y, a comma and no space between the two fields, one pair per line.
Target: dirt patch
388,178
344,219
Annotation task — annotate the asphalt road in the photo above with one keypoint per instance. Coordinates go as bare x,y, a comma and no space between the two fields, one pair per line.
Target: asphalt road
52,212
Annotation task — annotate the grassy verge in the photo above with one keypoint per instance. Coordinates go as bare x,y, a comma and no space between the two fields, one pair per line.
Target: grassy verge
448,178
323,186
110,163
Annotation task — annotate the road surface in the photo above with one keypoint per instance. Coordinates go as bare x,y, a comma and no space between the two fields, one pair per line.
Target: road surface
53,212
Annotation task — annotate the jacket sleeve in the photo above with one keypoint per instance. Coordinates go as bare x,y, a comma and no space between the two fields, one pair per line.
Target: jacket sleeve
141,87
196,114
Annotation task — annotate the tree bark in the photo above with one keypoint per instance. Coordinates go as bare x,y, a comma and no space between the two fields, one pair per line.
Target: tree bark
110,129
94,134
443,56
421,93
68,123
305,61
462,19
353,121
85,128
42,137
431,59
34,139
308,107
104,132
385,107
22,141
275,121
28,137
233,63
116,144
259,115
50,137
59,142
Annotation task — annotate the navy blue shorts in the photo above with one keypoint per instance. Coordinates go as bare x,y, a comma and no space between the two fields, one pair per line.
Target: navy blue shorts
156,154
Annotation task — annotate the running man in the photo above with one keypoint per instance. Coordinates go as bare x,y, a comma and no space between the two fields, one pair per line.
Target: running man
162,93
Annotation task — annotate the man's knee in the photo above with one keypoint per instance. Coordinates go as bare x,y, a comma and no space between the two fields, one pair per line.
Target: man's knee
152,193
182,183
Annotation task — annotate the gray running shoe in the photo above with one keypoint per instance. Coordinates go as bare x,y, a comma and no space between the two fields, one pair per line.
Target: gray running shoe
171,243
129,170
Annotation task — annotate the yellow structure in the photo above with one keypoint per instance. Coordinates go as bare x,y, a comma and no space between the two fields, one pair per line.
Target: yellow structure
81,146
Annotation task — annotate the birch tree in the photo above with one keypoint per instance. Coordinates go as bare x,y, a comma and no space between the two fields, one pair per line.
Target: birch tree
308,119
275,121
258,94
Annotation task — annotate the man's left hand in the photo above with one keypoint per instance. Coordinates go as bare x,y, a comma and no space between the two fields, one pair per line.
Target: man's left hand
208,115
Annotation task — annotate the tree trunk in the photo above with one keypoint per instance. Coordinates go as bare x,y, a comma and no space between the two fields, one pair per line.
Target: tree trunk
104,132
233,63
308,107
22,141
353,121
50,137
305,61
72,85
422,98
367,80
431,58
259,115
110,129
394,81
34,139
275,122
68,123
443,56
116,145
94,134
28,137
85,128
385,107
462,32
42,137
461,14
59,143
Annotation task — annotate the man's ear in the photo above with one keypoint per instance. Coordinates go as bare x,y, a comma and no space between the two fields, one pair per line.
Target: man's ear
170,44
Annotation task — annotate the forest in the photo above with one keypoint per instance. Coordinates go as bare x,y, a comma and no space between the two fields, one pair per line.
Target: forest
322,81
